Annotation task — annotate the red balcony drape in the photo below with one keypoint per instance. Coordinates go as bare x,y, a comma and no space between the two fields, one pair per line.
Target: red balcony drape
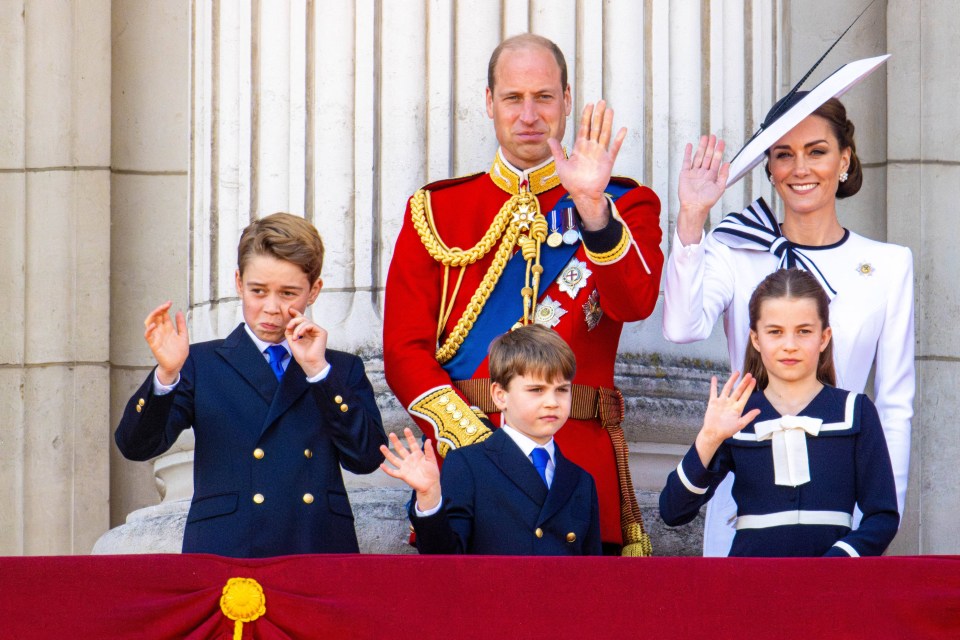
397,597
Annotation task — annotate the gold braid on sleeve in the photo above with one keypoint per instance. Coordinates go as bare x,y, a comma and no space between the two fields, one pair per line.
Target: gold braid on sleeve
456,424
614,254
517,214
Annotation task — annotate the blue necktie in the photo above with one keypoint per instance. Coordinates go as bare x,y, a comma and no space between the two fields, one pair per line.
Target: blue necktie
540,459
276,353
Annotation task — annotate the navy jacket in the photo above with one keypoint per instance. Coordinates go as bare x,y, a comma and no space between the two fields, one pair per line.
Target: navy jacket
268,454
495,503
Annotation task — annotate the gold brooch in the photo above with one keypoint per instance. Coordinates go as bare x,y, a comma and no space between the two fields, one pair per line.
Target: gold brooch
865,269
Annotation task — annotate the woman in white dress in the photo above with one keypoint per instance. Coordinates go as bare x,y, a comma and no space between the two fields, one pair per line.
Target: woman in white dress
870,283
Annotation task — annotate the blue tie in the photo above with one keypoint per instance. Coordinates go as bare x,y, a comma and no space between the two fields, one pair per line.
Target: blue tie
276,353
540,459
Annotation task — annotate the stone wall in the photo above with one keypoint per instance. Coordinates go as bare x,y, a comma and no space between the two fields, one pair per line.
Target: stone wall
137,137
54,275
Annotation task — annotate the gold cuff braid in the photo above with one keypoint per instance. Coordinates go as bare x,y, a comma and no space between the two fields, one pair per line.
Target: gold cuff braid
455,423
613,254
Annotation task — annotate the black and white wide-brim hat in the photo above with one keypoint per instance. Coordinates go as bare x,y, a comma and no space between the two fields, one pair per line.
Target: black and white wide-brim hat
796,106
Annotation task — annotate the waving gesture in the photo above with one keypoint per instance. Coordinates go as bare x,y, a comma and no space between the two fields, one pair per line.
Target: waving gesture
703,179
723,417
586,173
168,342
417,468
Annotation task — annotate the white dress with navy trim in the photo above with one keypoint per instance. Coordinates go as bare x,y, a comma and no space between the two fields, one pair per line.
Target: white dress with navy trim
848,465
871,316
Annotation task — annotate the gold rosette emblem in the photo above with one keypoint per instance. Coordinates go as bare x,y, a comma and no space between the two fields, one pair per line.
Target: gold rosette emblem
242,601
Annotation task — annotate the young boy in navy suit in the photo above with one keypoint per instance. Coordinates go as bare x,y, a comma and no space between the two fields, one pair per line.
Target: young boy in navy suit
275,413
513,493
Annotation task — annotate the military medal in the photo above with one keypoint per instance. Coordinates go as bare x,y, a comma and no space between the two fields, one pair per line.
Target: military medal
548,313
592,311
555,238
524,215
570,235
574,277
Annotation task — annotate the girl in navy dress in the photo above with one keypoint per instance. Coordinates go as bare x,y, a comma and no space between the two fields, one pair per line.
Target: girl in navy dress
803,452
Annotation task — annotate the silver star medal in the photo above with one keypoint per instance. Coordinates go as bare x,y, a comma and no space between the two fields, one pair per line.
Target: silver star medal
548,313
574,277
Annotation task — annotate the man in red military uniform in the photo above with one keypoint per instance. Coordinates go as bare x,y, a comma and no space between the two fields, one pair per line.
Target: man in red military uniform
540,237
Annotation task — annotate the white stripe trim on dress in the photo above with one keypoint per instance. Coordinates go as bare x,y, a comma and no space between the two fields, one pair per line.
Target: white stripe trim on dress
786,518
850,551
692,488
829,426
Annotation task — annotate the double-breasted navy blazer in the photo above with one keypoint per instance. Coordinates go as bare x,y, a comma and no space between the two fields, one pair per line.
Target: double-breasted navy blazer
495,503
267,460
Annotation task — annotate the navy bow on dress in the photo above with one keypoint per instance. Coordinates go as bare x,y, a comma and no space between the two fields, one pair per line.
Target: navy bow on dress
756,228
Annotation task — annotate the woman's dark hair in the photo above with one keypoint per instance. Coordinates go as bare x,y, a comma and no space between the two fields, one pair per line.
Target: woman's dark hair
835,114
799,285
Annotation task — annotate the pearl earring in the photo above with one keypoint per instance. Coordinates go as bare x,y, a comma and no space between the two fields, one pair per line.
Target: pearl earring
844,176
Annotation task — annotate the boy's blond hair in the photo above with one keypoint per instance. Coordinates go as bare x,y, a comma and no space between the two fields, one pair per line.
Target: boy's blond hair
283,236
531,350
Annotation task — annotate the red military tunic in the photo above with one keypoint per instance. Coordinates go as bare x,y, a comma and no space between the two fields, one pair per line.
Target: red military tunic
602,290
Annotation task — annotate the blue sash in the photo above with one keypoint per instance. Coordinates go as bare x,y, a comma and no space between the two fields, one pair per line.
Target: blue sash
504,307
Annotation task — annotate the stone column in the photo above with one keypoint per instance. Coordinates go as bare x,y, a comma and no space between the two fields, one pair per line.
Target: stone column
55,261
149,244
923,189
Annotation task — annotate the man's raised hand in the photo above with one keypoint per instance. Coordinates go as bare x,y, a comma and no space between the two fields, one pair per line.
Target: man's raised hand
586,173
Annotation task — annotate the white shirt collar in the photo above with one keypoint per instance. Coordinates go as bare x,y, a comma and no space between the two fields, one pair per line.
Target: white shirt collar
527,445
261,345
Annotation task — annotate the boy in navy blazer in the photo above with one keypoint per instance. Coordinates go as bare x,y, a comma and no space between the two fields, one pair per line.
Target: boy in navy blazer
275,413
513,493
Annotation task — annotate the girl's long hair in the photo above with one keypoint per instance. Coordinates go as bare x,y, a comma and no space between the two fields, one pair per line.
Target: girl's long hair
796,284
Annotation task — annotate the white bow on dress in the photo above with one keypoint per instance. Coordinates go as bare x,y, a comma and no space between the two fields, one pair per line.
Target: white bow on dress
791,466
